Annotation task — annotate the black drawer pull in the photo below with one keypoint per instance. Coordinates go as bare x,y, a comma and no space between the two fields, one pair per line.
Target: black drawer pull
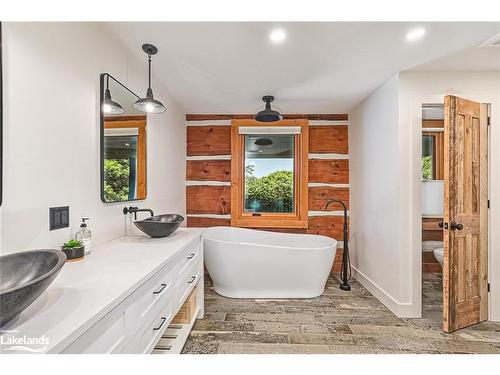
163,286
163,320
193,278
191,256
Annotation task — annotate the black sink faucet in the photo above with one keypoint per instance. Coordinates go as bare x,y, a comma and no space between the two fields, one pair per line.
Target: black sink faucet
135,210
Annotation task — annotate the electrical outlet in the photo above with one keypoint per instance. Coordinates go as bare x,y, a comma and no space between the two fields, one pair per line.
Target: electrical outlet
58,217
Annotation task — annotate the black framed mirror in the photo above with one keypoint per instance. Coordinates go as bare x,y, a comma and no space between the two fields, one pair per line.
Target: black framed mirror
123,143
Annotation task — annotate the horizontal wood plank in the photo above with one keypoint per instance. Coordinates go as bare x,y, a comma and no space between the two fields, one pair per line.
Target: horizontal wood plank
337,262
328,140
319,197
329,171
208,200
433,123
429,263
205,222
432,235
208,140
431,224
208,170
330,226
286,116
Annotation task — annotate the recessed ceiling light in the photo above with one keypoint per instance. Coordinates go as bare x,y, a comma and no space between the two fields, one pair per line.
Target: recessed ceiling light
415,34
277,36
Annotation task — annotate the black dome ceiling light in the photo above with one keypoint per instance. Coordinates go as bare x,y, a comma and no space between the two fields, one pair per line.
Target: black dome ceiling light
149,104
268,115
264,142
109,106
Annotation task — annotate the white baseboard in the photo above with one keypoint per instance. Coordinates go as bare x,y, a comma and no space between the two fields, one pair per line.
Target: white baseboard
401,310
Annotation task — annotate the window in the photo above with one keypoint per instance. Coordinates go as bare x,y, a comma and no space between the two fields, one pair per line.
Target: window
428,157
269,174
432,155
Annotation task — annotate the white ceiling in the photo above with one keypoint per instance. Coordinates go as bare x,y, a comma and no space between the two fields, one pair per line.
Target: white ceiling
472,59
320,68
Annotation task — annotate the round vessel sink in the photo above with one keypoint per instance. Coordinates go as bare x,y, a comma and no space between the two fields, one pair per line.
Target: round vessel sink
160,225
23,277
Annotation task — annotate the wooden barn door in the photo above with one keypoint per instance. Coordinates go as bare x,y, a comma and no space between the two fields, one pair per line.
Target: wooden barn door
465,270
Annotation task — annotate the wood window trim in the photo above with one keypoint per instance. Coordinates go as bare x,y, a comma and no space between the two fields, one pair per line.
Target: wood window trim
138,122
298,219
438,160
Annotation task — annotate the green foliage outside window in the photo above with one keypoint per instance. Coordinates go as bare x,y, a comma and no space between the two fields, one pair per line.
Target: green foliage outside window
427,167
116,180
271,193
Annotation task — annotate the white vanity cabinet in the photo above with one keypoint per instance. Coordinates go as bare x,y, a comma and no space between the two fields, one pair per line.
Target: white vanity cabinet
137,323
120,299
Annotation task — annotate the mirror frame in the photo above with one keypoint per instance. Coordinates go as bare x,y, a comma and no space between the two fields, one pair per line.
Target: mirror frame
101,138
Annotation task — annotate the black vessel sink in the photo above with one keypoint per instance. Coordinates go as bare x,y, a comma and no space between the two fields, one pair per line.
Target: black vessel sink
23,277
160,225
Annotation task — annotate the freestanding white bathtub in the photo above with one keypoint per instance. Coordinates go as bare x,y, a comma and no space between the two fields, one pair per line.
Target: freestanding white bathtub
247,263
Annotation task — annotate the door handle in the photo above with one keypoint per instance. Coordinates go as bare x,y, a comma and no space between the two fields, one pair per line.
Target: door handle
456,226
163,320
193,278
191,256
443,225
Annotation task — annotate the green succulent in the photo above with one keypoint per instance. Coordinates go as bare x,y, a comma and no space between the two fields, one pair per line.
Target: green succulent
72,244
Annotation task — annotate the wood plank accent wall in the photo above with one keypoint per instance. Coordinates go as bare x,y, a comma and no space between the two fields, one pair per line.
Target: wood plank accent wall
208,200
208,140
208,172
329,171
286,116
318,196
328,139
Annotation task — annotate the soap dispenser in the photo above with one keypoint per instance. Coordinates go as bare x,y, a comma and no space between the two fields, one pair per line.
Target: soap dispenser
85,235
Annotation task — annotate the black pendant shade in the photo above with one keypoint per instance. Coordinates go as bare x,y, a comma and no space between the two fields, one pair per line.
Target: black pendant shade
109,106
268,114
264,142
149,104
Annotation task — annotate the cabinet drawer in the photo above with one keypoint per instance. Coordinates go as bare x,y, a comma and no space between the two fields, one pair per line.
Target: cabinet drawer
108,335
186,284
147,301
186,259
146,338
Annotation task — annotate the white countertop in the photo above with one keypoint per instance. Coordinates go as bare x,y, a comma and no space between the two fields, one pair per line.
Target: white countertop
86,290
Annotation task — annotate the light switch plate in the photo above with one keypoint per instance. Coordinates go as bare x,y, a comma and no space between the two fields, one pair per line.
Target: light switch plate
58,217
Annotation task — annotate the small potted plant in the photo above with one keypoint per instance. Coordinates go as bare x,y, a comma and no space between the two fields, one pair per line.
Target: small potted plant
74,250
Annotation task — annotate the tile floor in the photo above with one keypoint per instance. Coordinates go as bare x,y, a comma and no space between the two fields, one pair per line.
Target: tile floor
336,322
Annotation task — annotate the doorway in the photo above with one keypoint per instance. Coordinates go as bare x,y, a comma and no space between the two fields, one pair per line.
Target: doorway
432,188
454,169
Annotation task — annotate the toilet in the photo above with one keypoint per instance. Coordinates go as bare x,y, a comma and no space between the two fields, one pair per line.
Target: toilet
439,255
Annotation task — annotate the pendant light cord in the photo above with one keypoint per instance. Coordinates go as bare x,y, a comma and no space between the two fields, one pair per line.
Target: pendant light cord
149,68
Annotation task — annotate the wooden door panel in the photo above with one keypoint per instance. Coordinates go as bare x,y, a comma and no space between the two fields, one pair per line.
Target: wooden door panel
465,241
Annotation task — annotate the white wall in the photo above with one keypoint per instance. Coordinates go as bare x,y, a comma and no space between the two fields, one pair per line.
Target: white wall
51,133
385,146
417,88
377,240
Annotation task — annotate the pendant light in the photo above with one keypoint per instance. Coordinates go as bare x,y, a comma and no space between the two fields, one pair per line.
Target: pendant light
109,106
149,104
268,115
